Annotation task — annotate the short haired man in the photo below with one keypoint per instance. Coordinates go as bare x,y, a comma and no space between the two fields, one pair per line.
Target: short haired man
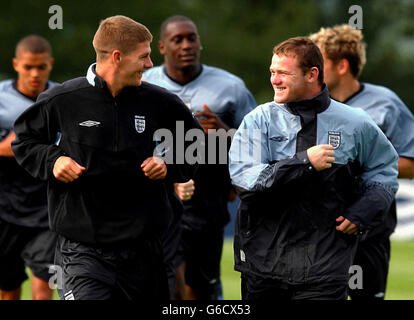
25,237
344,55
311,173
92,139
220,100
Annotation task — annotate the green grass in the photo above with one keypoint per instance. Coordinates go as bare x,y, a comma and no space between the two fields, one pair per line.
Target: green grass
400,279
401,276
229,277
27,289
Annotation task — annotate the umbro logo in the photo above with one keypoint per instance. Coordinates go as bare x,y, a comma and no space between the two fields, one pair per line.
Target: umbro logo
89,123
279,138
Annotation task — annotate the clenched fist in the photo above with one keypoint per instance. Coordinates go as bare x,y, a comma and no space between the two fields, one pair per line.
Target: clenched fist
66,169
184,190
154,168
321,156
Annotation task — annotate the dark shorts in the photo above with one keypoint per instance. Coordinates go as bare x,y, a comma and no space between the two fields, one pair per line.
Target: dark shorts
201,251
171,241
123,272
373,255
260,289
21,247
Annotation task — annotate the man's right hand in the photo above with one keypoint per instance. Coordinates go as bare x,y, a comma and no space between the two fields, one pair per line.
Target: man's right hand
184,190
321,156
66,169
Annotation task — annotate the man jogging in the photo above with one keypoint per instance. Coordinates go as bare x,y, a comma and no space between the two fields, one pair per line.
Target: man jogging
312,174
219,100
25,236
92,139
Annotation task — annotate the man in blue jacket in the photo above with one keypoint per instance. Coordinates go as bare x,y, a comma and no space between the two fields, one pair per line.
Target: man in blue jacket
312,174
344,55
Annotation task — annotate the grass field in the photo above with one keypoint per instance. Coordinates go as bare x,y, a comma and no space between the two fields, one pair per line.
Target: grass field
400,280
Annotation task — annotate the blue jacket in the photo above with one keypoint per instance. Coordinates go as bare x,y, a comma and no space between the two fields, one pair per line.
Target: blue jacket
23,199
285,227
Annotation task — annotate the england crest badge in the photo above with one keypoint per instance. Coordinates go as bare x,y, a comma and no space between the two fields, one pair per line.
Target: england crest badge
140,124
334,139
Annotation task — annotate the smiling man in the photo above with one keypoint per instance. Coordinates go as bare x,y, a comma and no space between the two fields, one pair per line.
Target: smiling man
318,183
91,138
219,100
26,239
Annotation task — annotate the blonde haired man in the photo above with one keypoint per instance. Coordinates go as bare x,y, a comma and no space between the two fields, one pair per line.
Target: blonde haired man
343,49
92,139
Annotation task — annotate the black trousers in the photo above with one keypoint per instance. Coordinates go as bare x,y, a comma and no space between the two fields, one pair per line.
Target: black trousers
202,251
373,255
259,289
121,272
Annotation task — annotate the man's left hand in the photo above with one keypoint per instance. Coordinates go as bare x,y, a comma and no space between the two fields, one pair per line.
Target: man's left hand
154,168
346,226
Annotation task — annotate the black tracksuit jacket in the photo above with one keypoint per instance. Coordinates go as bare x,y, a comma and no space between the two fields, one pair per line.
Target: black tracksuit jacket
112,201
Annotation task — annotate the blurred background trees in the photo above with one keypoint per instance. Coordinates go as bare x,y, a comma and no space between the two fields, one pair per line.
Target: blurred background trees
237,35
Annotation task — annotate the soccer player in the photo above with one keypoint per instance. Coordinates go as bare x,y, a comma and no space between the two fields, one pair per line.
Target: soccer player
343,50
25,237
92,139
312,174
219,100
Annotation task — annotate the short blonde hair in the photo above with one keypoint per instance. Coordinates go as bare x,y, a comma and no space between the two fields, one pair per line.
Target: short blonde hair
342,42
119,32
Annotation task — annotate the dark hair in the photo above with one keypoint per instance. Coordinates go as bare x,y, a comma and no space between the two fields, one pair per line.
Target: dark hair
172,19
34,44
305,50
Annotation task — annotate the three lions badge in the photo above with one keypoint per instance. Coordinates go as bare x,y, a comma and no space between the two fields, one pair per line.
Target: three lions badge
140,124
334,139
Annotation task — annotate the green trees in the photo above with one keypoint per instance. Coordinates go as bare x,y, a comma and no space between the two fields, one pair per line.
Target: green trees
237,35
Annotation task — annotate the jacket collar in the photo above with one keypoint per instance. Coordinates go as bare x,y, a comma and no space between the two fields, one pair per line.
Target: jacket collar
98,82
318,103
94,79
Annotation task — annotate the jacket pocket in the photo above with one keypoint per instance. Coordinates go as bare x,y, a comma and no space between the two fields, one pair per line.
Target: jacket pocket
244,220
56,205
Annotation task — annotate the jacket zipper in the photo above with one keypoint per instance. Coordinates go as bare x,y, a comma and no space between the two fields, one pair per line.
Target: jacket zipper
115,127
